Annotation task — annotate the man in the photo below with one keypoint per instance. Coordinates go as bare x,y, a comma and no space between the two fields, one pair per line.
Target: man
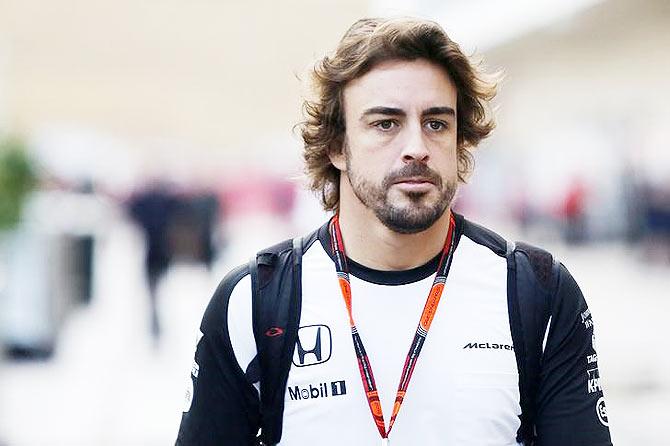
386,144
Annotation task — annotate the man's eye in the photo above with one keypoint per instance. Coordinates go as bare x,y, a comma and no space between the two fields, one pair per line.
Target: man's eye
385,125
436,126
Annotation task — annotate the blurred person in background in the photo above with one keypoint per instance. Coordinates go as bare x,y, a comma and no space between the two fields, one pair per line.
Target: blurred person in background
656,209
574,212
152,209
176,227
386,143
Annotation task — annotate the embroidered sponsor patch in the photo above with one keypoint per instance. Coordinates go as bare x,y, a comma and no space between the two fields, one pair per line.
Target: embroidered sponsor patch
195,370
488,345
593,384
601,411
321,390
313,346
587,320
188,396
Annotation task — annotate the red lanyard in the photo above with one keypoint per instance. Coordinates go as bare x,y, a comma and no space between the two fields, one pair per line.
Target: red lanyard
426,319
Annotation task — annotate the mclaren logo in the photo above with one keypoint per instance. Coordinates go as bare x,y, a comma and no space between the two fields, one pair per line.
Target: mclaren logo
488,345
313,345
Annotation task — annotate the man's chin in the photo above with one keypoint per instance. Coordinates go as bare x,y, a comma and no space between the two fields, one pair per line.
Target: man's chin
410,219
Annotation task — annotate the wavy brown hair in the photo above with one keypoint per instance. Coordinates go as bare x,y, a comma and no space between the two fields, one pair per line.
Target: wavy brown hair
367,43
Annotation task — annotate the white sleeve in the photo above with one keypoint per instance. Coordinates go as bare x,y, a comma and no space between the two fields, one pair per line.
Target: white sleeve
240,323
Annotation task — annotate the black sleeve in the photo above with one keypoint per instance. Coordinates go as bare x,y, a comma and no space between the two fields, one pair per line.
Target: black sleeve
224,409
570,407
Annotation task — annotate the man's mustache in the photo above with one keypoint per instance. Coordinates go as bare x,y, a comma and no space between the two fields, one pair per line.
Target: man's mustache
414,170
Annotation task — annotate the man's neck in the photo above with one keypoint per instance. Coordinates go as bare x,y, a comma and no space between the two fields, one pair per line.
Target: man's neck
368,242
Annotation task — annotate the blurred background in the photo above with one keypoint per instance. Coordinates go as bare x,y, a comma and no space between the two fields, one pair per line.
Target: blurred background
147,147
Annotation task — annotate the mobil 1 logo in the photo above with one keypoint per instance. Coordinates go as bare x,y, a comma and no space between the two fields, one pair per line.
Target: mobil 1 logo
320,390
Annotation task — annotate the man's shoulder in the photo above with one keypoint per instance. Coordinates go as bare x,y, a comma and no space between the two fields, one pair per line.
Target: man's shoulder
535,260
482,235
236,284
538,272
286,246
217,309
494,241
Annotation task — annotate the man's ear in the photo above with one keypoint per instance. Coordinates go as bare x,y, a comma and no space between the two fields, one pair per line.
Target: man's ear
338,156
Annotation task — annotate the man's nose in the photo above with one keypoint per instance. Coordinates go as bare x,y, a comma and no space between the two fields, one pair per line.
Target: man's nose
415,148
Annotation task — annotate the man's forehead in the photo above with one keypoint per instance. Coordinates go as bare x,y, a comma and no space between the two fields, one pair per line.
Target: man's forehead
407,85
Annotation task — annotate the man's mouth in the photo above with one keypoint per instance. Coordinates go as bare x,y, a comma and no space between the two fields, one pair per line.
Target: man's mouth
415,184
414,180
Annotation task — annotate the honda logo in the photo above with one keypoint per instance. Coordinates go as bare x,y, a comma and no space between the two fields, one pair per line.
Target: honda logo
313,345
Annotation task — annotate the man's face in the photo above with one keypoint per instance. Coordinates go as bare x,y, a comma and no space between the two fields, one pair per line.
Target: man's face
399,153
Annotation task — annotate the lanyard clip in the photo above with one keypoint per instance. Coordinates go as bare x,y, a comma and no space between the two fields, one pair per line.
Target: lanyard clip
386,442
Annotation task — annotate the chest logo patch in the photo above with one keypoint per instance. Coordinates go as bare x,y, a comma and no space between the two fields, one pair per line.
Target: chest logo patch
313,346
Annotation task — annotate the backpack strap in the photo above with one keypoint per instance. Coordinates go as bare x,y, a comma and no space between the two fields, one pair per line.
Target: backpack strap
276,302
531,284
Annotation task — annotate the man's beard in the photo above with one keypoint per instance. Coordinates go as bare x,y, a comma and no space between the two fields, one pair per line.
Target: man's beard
411,218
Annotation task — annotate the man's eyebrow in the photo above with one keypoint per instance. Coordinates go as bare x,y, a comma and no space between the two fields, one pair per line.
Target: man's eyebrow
389,111
439,111
393,111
